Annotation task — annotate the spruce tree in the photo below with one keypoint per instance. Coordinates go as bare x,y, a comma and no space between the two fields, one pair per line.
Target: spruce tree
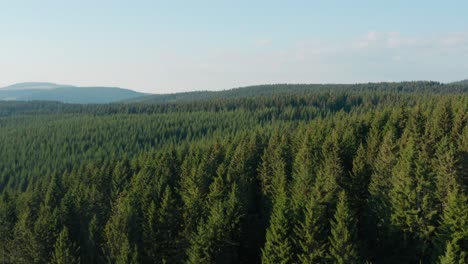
65,250
120,177
197,172
449,256
426,204
127,253
216,239
359,181
453,230
343,238
122,227
442,121
332,164
306,164
378,210
8,218
91,252
309,234
275,160
413,201
325,188
402,195
242,171
24,248
373,141
278,245
46,230
160,230
446,170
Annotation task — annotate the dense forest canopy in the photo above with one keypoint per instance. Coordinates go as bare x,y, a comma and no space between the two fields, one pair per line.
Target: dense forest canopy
373,173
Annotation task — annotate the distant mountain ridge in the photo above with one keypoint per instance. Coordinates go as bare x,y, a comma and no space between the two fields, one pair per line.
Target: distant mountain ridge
44,91
462,82
34,86
285,89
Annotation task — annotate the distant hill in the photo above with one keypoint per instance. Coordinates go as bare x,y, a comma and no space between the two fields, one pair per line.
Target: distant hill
34,86
288,89
462,82
32,91
72,94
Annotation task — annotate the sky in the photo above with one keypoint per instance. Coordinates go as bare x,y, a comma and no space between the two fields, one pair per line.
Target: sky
173,46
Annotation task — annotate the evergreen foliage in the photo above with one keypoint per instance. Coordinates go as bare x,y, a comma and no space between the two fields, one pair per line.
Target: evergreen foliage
372,173
343,234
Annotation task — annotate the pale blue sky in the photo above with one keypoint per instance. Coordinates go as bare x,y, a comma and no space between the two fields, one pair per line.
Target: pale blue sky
171,46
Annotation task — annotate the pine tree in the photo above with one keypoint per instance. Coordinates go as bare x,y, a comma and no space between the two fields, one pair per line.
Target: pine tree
453,230
197,172
460,120
413,202
161,230
65,250
378,223
416,126
45,232
278,245
463,158
127,254
449,256
91,252
446,170
373,141
309,234
242,171
402,195
325,188
442,122
54,192
275,161
343,234
216,239
24,248
426,204
306,164
8,218
332,165
122,225
359,181
47,225
120,177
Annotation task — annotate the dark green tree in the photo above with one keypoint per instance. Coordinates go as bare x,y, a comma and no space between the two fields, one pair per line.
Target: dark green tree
217,238
413,201
449,256
359,182
453,230
278,246
343,239
122,226
378,211
65,250
127,254
309,234
161,229
446,170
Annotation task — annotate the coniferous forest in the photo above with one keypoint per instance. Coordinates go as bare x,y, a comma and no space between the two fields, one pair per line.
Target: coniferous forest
366,173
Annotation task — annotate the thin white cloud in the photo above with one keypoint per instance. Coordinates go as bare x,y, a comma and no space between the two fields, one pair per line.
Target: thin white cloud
374,56
456,40
396,40
396,58
263,42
